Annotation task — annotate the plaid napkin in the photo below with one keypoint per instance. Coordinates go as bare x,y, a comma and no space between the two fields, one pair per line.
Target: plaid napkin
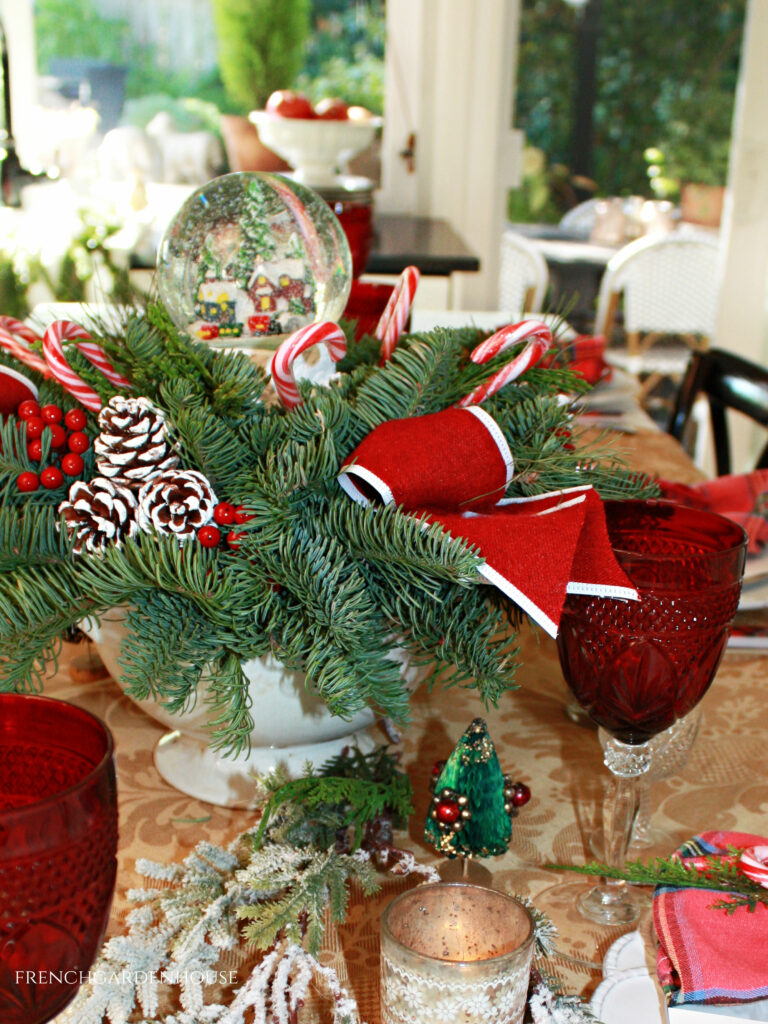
741,497
705,955
584,355
453,467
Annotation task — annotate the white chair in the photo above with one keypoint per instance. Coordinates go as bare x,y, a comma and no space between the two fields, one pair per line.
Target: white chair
523,275
667,287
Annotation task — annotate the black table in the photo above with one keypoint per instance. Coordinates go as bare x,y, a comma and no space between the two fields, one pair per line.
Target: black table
431,245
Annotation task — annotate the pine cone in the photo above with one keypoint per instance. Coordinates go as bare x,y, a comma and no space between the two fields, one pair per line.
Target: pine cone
177,502
132,447
98,512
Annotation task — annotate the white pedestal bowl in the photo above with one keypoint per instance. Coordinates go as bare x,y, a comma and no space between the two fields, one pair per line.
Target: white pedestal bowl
291,726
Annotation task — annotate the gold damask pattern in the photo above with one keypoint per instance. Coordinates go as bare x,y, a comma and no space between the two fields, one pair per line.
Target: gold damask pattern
723,785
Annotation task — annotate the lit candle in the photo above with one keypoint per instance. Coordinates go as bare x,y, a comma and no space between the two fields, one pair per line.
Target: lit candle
455,954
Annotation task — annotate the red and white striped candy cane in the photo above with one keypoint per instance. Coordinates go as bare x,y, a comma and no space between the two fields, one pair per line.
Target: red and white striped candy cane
327,332
539,338
392,320
53,349
753,862
11,330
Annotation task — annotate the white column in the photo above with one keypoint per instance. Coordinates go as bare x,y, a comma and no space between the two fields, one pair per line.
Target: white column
742,316
450,78
20,36
742,323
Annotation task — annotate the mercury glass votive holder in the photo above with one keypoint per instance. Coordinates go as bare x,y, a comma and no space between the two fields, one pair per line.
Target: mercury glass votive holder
455,954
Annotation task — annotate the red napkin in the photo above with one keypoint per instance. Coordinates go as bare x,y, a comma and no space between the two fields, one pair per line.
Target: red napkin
584,355
454,466
741,497
705,955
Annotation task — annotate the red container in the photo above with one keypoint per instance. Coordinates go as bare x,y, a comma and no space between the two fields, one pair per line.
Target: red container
366,304
58,840
352,202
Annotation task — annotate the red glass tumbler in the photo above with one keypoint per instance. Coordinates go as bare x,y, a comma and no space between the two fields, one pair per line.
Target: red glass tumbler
58,840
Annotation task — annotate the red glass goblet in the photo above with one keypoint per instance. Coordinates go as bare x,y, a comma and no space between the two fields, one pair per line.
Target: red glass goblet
638,666
58,839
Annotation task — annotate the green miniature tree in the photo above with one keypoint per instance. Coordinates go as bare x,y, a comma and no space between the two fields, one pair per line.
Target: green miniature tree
473,802
261,47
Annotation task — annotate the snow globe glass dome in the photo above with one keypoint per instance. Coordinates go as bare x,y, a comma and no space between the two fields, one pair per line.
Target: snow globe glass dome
252,257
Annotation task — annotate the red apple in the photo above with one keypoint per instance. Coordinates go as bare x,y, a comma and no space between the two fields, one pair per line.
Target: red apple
286,103
331,109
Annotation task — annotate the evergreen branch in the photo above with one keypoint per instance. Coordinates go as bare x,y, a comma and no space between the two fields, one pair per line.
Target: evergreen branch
364,798
710,872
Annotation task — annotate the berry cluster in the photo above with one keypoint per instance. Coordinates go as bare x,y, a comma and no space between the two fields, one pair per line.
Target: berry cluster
67,441
224,514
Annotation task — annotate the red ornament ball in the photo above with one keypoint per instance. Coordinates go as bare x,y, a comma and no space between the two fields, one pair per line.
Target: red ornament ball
209,536
28,408
58,435
78,442
521,794
447,811
75,419
224,513
52,413
35,450
72,464
51,477
35,427
27,481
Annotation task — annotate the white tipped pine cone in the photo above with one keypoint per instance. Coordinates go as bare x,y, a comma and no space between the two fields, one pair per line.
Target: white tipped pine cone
177,502
98,513
132,447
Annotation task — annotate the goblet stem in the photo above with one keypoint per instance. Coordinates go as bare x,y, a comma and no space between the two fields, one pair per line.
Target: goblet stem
609,902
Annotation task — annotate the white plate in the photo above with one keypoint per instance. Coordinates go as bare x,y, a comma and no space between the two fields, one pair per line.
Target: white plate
628,997
627,953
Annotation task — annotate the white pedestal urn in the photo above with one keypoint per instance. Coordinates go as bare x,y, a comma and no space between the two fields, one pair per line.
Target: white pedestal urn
291,726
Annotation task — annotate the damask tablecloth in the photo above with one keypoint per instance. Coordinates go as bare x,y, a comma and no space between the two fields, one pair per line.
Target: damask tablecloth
723,784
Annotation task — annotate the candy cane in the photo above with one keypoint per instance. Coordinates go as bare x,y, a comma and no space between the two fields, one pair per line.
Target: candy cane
392,320
281,367
539,340
53,350
10,331
753,863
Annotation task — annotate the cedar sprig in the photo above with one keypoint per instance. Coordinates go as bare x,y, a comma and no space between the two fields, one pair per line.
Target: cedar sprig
710,872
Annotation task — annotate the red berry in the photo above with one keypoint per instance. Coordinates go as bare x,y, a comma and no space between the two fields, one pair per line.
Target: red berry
78,442
28,408
27,482
521,794
35,451
233,539
72,464
75,419
52,413
35,427
58,435
448,811
241,516
437,768
224,513
51,477
209,536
